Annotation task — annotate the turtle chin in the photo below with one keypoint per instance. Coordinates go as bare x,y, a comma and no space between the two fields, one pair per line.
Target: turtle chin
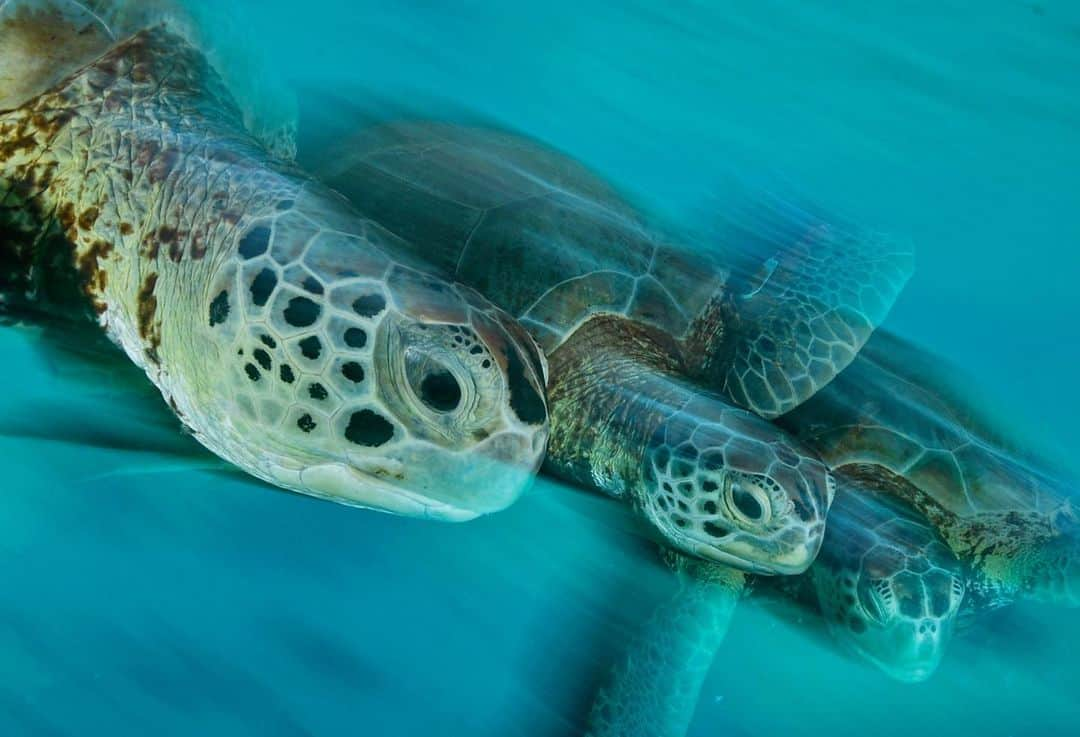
906,650
416,480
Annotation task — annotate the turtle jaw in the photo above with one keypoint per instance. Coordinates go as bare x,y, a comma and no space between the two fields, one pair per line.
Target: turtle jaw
337,482
906,649
914,663
788,553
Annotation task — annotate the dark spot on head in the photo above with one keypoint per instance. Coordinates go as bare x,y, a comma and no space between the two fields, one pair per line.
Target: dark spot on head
369,305
353,371
368,428
305,423
262,286
163,164
126,229
284,204
476,350
313,285
65,213
88,218
166,234
302,312
310,347
440,391
287,374
252,372
268,341
714,530
263,358
527,404
219,308
255,242
317,391
147,306
709,507
708,485
355,338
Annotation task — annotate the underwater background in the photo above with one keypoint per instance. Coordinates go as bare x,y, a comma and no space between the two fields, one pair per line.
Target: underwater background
145,592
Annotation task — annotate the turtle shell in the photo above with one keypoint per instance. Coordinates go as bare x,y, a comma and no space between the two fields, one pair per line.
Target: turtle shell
894,407
525,225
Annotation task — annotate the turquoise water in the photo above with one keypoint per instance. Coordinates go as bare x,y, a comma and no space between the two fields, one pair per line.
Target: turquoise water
142,594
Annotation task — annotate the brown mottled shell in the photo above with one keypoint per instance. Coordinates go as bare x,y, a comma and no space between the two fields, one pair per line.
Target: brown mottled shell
539,234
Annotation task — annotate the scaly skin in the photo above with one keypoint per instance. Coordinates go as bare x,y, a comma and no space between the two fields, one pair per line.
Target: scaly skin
281,327
717,481
654,689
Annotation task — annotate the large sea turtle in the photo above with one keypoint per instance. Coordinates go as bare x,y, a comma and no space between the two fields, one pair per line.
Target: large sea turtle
663,358
292,336
901,422
635,328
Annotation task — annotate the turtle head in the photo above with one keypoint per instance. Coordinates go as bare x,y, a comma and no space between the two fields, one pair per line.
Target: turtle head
890,590
356,379
726,485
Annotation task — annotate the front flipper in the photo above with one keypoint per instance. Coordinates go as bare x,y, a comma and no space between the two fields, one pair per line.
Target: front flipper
791,323
654,689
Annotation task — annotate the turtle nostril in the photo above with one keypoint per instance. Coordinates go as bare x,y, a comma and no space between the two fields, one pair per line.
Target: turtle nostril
440,391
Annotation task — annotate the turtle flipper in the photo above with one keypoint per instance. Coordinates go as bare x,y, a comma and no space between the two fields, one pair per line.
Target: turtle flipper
653,690
797,319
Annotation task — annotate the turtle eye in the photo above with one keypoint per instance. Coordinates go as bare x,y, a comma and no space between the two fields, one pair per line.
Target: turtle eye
440,391
746,500
876,600
433,383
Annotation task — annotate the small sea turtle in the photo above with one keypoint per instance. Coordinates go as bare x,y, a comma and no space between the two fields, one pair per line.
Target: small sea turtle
663,359
886,585
292,336
901,423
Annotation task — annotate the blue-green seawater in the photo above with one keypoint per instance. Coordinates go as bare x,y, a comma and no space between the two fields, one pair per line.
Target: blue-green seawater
142,594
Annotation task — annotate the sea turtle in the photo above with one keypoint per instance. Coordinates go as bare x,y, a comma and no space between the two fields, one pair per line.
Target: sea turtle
292,336
886,584
887,587
663,359
632,357
898,420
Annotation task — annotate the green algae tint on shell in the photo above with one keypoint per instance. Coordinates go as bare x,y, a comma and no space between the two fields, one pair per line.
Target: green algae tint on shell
241,286
900,421
554,245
